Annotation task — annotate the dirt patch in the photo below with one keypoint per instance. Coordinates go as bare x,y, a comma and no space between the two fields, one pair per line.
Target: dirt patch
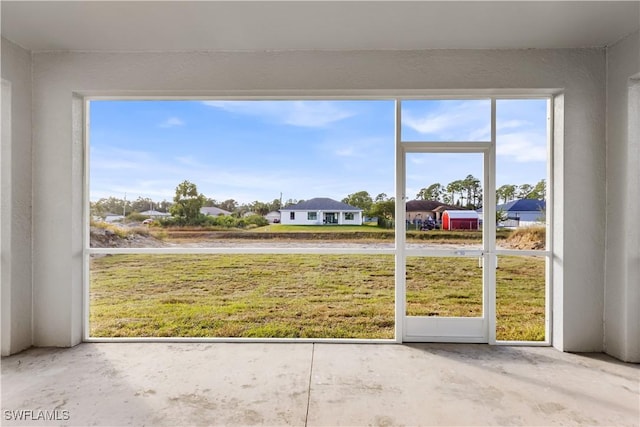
105,238
529,238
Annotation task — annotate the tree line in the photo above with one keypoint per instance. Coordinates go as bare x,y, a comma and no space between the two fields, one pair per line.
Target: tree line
467,192
187,202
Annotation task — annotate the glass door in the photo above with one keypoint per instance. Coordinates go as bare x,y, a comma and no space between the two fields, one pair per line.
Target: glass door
445,285
445,257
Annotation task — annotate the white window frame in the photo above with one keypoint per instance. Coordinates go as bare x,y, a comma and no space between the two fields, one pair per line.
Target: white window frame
399,251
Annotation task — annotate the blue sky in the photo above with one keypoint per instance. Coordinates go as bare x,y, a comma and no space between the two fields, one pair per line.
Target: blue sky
255,150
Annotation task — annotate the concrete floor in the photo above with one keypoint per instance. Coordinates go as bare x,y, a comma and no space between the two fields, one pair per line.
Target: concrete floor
149,384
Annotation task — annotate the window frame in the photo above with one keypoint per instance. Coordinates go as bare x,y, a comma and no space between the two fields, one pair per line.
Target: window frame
391,95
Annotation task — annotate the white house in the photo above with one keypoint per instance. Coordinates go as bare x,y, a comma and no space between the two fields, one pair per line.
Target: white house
524,212
321,211
521,213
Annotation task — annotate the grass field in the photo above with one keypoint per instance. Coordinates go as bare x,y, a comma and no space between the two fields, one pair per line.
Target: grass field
328,296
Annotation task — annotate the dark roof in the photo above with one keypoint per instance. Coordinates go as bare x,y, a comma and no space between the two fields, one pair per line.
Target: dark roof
321,204
522,205
427,206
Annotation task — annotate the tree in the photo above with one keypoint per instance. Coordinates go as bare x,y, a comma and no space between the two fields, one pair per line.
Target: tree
432,192
276,205
539,192
228,205
260,208
381,197
361,200
501,216
164,206
471,186
506,193
187,202
141,204
291,202
209,203
454,188
384,207
524,190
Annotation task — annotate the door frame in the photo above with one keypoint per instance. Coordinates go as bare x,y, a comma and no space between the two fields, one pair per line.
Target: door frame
486,332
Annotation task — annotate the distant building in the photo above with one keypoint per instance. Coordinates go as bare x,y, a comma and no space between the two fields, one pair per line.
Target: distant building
419,210
111,217
213,211
321,211
460,220
522,213
273,217
155,214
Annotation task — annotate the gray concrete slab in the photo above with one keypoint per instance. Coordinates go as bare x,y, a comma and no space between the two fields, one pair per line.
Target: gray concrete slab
455,384
156,384
317,384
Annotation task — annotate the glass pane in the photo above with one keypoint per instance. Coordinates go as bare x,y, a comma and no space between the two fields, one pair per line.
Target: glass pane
272,296
446,120
521,172
444,191
520,298
444,287
252,170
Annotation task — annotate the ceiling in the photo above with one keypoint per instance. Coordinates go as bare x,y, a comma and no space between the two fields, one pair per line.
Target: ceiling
330,25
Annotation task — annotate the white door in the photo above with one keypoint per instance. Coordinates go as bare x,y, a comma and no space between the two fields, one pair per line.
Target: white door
446,289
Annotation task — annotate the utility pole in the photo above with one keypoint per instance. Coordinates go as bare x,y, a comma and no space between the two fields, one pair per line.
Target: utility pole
124,206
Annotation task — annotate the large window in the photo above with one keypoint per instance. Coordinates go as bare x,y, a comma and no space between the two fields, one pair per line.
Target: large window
219,218
194,233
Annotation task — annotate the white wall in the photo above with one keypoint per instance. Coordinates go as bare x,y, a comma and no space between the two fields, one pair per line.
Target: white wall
357,219
622,284
300,218
579,74
15,232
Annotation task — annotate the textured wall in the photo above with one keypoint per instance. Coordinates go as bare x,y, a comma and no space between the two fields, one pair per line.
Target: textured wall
16,200
579,74
622,284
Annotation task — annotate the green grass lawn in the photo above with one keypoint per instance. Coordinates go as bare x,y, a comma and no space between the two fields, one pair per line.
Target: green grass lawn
285,228
327,296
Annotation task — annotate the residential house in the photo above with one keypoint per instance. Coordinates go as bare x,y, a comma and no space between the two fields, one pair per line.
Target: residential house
419,210
155,214
213,211
521,213
321,211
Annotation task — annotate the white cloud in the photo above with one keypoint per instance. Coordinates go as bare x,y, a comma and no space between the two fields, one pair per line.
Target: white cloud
450,120
345,152
522,147
313,114
171,122
511,124
112,158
